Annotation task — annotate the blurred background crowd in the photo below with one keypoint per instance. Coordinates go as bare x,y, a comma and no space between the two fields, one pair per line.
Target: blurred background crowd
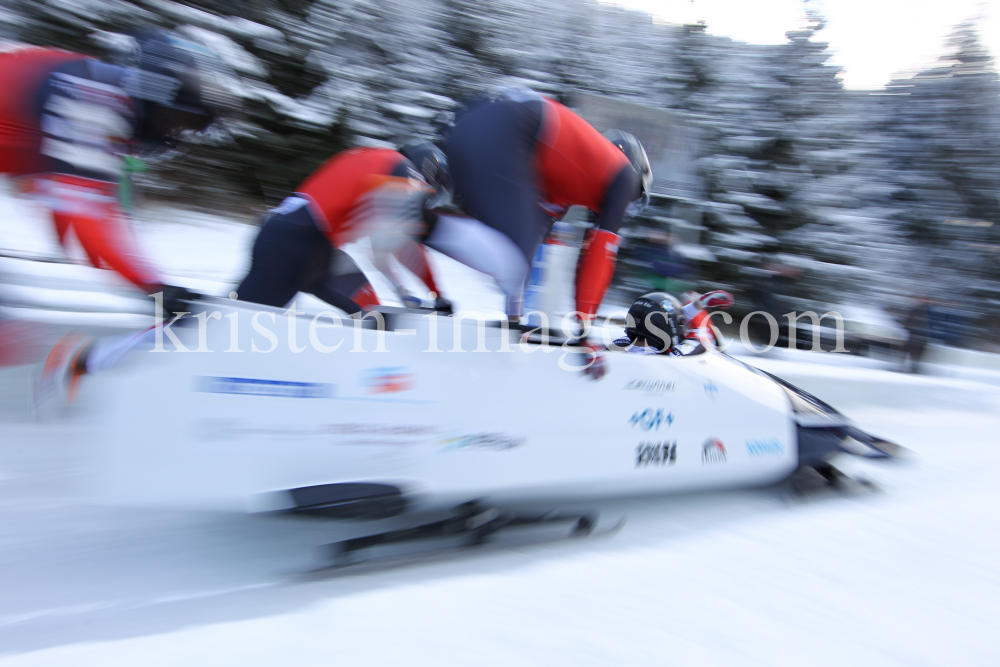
773,181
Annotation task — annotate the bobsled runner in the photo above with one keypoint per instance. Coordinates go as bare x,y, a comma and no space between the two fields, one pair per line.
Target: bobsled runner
405,410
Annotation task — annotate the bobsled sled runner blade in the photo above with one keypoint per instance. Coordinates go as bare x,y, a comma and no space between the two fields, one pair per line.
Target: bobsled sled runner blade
823,480
472,528
348,500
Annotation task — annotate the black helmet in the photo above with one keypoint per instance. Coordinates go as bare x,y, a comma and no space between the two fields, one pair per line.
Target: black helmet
657,317
178,80
636,154
432,165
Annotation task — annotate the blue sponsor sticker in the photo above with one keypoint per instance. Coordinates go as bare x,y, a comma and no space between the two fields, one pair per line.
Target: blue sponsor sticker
256,387
496,442
765,447
650,419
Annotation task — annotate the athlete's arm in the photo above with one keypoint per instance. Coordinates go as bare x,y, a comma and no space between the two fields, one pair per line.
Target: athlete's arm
413,256
596,266
622,191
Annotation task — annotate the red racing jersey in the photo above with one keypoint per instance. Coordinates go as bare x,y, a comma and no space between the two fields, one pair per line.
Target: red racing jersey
64,122
23,70
575,162
338,187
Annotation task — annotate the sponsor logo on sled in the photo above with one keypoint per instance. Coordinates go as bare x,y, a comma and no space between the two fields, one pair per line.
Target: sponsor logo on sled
713,451
650,419
339,434
656,454
256,387
497,442
650,386
765,447
711,389
387,380
377,429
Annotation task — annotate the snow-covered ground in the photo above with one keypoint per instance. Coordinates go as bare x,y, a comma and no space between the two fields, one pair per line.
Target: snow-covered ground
906,577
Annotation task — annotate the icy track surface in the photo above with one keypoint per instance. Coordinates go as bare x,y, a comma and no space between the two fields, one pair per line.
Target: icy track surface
906,577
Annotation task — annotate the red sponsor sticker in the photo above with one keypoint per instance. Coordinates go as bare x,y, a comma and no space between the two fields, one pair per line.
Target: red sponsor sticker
389,380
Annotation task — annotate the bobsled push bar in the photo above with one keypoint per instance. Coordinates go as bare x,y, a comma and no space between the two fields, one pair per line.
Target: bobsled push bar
540,335
535,334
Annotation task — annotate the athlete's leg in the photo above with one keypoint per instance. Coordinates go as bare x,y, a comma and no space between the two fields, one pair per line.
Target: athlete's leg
491,155
75,355
344,285
287,255
89,208
486,250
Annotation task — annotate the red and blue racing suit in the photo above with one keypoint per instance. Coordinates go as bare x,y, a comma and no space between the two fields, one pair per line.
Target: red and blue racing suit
517,160
65,121
298,247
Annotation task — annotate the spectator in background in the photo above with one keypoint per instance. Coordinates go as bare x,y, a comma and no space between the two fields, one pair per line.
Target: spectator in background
665,269
916,320
771,284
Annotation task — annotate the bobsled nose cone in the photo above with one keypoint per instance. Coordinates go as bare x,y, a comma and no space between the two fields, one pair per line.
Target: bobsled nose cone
861,444
890,449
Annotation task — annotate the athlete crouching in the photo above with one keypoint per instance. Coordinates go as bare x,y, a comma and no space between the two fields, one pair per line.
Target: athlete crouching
363,192
376,193
657,323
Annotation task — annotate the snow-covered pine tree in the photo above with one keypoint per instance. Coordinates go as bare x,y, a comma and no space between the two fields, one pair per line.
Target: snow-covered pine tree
942,130
845,185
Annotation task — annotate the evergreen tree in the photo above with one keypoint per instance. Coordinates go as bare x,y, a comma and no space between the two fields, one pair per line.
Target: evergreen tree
856,190
942,128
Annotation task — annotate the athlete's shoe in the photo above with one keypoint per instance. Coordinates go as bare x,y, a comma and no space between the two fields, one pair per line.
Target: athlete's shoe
410,301
443,305
60,379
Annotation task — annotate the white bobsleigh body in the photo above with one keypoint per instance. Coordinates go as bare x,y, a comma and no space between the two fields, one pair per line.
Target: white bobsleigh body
440,409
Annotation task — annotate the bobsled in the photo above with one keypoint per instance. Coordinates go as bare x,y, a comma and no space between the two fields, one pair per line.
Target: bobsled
239,407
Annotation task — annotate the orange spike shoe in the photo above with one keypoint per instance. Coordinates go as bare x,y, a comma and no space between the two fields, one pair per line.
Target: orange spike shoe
62,370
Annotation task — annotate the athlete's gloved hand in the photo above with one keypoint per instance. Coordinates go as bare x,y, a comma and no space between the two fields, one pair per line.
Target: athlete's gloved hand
716,299
175,299
598,368
443,305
